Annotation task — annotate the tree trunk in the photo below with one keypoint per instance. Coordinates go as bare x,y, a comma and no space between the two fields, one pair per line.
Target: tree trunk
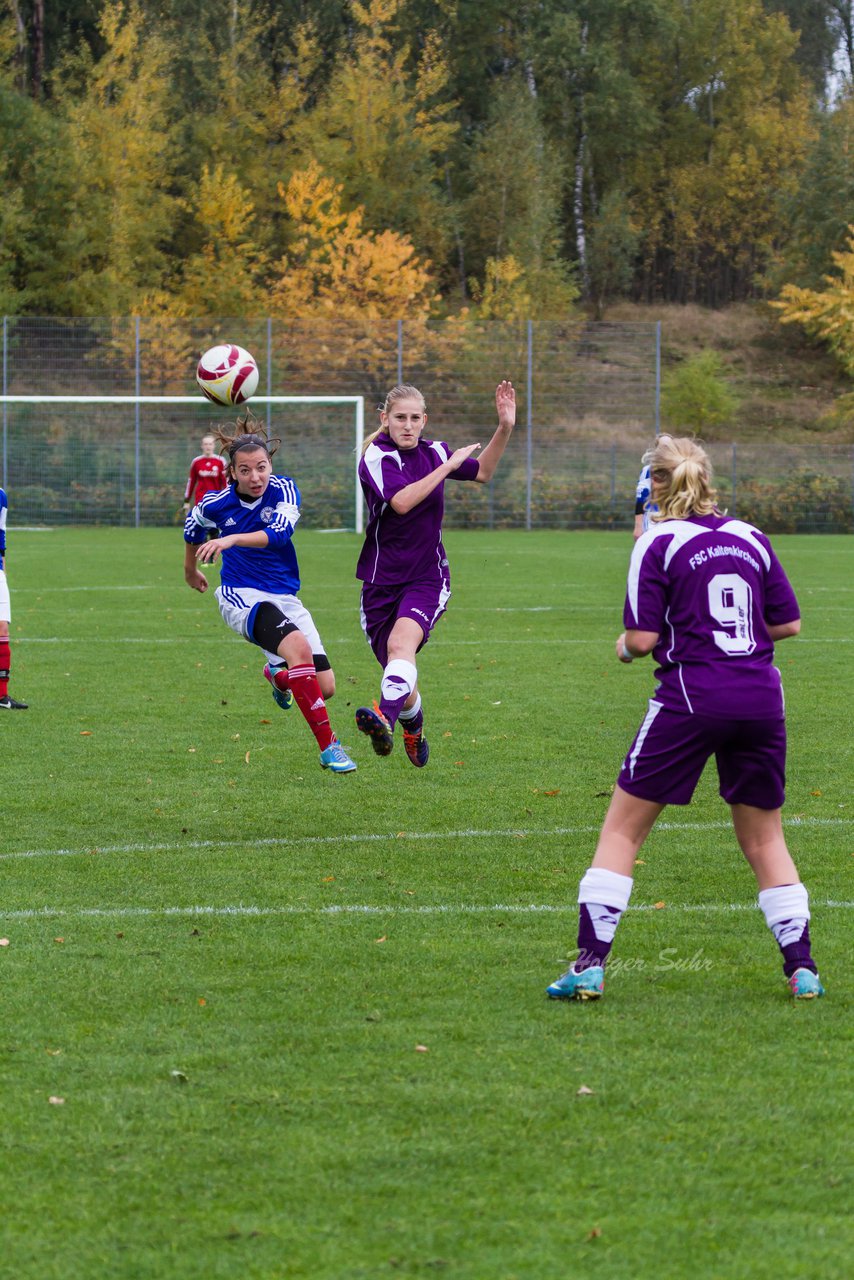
38,47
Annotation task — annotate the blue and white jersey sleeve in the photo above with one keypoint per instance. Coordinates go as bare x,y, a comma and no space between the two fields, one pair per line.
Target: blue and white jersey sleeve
642,493
280,529
4,507
199,522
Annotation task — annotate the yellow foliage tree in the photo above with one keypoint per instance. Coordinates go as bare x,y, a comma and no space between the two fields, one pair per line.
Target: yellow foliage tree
826,314
737,128
383,127
336,267
117,113
222,277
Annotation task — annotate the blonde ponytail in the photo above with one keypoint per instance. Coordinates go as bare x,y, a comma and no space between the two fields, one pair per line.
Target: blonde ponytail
683,473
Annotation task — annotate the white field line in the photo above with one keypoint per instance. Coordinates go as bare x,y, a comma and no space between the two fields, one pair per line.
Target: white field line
371,909
383,837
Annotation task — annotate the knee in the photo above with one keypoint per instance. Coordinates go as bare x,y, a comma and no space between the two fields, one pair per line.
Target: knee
326,680
296,650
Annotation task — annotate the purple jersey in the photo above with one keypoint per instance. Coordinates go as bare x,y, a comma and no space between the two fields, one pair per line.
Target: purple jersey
709,585
404,548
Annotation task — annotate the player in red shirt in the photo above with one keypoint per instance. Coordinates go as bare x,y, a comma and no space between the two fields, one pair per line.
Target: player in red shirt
208,474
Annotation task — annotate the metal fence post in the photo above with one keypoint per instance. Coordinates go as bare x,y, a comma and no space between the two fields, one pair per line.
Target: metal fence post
5,392
613,476
657,376
269,373
530,428
734,478
136,427
399,352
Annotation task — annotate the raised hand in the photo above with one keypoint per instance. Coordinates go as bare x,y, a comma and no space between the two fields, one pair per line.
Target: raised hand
459,455
505,403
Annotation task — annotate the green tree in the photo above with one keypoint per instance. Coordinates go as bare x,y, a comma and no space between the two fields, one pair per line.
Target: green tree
117,127
513,211
815,214
384,127
731,138
696,396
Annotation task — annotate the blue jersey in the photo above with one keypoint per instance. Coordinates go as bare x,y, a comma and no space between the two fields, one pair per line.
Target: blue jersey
272,568
4,507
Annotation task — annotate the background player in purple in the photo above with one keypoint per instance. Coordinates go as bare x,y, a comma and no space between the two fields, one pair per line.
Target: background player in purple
403,565
708,598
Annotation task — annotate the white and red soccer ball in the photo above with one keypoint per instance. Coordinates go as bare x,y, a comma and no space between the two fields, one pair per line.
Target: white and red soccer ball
227,374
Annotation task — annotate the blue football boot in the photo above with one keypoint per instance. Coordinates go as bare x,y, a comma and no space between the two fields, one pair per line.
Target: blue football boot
586,985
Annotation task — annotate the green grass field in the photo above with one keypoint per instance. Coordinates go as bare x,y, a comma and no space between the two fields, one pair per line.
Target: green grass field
298,1021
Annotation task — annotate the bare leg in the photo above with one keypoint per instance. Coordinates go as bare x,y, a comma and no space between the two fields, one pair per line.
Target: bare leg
760,834
627,824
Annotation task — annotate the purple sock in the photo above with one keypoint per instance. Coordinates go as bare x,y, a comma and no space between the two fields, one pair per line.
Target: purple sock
591,950
797,955
413,721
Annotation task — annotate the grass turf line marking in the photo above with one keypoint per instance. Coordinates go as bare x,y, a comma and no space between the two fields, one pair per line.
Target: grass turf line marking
374,837
365,909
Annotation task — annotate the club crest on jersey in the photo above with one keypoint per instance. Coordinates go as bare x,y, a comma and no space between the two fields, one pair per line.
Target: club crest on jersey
267,514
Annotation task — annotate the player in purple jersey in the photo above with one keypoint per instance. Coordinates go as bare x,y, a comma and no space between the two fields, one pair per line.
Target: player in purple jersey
259,581
707,598
403,565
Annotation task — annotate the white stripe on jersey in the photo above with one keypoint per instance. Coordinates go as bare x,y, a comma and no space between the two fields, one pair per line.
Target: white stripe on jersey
641,547
439,449
681,533
287,511
374,462
740,529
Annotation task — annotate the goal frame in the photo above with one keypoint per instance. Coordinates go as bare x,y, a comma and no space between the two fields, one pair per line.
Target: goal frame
358,403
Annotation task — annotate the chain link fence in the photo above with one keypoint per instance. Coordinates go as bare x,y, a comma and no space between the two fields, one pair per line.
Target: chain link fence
588,404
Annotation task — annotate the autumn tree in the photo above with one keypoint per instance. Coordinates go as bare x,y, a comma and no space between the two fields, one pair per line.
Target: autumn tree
512,214
815,213
384,126
335,266
731,139
120,209
827,314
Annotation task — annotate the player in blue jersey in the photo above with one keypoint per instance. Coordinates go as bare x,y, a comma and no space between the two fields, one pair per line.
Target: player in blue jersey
644,509
708,598
642,512
255,518
403,566
7,703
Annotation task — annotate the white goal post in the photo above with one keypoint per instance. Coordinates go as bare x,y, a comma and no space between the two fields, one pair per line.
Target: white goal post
199,402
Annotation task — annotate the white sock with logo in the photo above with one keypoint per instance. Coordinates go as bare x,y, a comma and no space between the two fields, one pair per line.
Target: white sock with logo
399,679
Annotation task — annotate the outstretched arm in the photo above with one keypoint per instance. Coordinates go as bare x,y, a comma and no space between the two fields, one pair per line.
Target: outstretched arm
505,403
405,499
207,552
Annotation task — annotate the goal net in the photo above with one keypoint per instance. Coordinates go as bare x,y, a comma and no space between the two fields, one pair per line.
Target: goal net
124,460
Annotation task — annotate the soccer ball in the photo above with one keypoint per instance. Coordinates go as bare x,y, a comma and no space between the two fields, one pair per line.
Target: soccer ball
227,374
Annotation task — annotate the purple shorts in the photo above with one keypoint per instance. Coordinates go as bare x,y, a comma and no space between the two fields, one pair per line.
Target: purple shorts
424,602
670,752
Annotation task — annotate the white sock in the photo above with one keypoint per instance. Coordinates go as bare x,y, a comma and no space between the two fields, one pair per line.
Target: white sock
786,910
399,679
413,710
606,895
